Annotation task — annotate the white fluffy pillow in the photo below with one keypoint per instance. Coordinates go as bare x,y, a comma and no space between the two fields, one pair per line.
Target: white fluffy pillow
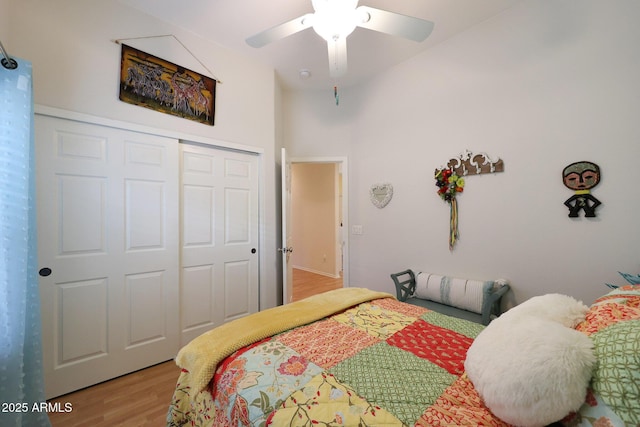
563,309
529,369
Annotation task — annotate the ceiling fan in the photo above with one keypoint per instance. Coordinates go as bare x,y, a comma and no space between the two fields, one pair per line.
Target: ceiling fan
334,20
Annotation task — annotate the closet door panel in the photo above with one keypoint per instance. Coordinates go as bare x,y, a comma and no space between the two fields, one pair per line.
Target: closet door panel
219,273
198,299
150,243
80,321
144,295
237,292
107,203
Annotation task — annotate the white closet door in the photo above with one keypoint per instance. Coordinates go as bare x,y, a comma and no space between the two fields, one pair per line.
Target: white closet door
108,232
219,277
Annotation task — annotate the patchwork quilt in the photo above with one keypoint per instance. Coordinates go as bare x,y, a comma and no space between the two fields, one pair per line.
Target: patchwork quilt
613,397
353,357
378,363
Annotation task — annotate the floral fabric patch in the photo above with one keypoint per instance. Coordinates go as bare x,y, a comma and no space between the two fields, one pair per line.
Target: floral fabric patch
400,307
249,386
327,342
326,401
593,413
374,320
459,405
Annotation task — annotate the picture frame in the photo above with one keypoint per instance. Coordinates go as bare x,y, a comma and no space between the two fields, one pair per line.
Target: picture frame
160,85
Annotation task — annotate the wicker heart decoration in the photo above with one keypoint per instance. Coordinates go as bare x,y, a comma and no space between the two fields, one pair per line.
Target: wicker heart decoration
381,195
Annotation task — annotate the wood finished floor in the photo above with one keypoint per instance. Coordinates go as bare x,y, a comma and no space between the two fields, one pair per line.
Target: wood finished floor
138,399
306,284
142,398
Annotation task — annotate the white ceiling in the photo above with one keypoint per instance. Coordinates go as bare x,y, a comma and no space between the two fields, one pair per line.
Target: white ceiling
229,22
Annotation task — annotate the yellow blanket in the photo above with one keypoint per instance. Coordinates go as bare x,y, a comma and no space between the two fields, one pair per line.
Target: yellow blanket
201,356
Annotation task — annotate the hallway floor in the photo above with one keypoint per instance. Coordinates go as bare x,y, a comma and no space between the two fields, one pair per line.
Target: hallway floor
306,284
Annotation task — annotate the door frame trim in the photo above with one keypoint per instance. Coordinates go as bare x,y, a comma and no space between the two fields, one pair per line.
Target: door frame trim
87,118
343,161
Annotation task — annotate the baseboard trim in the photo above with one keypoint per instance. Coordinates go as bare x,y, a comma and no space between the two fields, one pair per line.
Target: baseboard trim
322,273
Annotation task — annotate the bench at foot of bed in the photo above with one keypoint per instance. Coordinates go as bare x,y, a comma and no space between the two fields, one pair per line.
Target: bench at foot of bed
474,300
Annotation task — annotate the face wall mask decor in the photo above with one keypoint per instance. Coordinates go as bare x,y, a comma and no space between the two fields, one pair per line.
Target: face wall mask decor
581,177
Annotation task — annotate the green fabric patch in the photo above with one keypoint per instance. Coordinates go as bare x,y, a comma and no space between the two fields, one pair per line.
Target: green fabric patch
382,374
461,326
617,375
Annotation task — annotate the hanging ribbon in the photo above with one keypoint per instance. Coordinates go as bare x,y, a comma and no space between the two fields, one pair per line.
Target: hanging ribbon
449,185
450,181
453,223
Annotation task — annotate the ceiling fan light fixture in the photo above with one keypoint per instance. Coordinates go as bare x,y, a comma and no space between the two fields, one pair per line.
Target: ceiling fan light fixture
335,19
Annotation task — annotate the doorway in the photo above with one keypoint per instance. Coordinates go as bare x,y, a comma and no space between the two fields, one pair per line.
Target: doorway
319,213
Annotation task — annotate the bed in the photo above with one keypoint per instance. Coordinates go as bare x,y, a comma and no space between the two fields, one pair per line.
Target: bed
355,357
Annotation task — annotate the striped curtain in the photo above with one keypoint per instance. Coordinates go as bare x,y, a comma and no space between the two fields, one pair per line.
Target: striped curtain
21,377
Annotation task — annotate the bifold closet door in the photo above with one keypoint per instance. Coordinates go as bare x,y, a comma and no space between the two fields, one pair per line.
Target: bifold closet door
219,238
108,221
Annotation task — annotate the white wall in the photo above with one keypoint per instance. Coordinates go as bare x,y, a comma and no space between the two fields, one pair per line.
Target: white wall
4,22
315,126
76,67
541,85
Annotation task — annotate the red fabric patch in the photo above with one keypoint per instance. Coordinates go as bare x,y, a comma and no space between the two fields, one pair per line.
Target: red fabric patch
443,347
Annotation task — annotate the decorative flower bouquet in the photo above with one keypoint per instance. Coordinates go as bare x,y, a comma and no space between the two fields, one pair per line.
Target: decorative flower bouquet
449,184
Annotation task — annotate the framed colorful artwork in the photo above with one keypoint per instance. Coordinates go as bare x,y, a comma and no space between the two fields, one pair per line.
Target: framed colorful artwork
152,82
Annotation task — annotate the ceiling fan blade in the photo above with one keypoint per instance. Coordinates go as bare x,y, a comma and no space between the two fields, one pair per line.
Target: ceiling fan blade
281,31
409,27
337,57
